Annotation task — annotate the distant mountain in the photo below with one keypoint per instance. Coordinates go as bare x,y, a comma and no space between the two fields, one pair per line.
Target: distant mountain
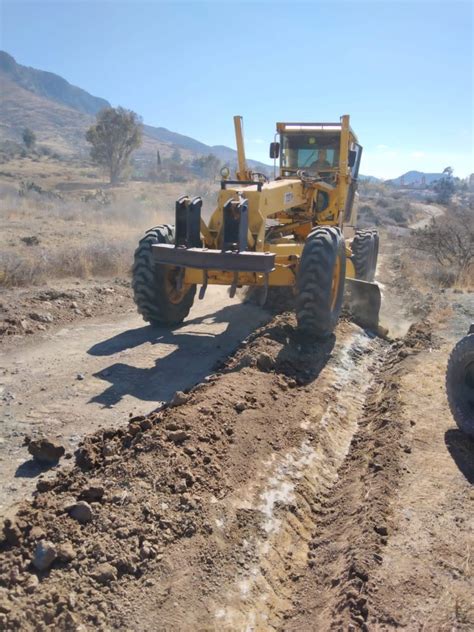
226,154
415,178
60,113
58,126
50,86
369,178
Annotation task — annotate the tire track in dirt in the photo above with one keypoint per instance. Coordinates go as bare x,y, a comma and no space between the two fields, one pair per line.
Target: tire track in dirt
354,523
286,493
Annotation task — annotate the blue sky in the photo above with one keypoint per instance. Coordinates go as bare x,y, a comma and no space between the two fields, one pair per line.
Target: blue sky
403,71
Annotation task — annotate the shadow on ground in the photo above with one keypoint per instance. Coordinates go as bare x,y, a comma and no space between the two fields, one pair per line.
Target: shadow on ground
194,355
31,469
461,448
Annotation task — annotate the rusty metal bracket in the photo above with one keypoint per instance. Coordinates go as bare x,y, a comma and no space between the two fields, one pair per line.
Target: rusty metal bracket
180,279
202,259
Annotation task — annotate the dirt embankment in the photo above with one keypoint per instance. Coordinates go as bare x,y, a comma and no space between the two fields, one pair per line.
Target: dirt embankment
272,497
24,312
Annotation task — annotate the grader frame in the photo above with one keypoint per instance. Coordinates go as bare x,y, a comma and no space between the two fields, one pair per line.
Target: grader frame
288,232
237,248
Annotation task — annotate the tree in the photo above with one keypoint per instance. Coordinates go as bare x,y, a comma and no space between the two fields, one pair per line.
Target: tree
208,165
445,187
116,134
449,239
176,156
29,138
448,171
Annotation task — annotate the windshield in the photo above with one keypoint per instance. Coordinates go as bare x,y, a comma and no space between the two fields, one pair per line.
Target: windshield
311,152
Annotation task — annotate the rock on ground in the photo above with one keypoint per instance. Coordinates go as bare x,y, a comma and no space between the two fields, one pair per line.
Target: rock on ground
45,554
45,450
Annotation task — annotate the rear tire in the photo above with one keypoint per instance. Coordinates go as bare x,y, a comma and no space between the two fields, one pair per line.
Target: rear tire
460,384
155,287
320,282
365,250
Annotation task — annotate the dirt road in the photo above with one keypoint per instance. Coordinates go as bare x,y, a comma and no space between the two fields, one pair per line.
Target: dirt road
94,374
429,212
307,487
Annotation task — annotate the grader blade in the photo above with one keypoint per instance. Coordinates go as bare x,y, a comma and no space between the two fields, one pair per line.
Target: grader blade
363,300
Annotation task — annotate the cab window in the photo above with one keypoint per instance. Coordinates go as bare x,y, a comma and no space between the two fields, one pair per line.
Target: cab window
309,152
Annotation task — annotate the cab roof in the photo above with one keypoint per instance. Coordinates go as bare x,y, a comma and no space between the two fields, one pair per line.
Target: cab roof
311,127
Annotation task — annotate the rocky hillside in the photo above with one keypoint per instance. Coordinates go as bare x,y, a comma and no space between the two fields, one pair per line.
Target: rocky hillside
59,127
59,114
50,86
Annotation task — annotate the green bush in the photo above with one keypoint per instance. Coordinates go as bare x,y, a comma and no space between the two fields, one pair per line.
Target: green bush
397,215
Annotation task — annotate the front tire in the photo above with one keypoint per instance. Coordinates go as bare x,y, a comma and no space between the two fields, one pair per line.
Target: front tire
460,384
156,289
320,282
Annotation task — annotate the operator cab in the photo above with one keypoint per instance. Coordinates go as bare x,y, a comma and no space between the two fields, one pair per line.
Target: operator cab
315,149
316,154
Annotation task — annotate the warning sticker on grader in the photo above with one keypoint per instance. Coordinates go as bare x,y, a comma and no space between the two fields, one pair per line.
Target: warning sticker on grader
288,197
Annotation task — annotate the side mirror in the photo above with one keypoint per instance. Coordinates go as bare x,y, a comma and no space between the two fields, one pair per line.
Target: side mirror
352,158
274,150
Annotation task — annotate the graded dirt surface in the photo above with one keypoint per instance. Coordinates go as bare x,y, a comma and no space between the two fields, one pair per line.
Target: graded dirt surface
304,487
73,379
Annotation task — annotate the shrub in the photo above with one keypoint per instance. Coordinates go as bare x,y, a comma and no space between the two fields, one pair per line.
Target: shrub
29,138
449,241
397,215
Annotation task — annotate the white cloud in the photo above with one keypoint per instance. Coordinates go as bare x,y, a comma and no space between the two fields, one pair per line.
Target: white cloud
382,147
418,154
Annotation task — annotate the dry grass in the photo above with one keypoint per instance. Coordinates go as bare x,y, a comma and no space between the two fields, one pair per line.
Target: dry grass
428,275
77,230
45,239
98,259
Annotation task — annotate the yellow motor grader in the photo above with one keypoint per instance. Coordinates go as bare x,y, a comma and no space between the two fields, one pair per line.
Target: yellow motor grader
296,231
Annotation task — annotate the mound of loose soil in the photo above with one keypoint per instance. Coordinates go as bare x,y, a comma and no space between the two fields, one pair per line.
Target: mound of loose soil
29,311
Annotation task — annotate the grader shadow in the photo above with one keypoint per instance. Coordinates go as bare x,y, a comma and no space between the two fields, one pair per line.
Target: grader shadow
195,354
